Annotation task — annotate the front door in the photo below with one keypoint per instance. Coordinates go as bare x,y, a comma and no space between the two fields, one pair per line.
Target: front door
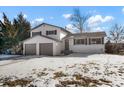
66,44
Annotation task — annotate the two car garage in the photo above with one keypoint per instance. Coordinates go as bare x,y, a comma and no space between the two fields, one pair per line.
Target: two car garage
41,45
44,49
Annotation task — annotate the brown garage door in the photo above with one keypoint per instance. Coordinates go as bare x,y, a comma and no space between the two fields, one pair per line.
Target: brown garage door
30,49
46,49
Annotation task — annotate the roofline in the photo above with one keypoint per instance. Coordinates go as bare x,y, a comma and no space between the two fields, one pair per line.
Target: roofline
51,25
81,34
90,32
41,36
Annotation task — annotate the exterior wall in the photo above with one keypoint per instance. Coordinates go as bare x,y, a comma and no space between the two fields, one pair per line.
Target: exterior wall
62,35
92,48
87,48
58,48
39,39
44,28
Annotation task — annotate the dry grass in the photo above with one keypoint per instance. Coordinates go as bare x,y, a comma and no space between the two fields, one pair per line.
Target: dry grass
106,81
59,74
18,82
83,81
41,74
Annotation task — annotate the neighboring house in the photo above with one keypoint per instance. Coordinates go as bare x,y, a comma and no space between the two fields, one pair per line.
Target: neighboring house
47,39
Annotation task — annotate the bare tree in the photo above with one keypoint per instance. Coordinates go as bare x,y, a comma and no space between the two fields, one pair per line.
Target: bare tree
116,36
116,33
79,20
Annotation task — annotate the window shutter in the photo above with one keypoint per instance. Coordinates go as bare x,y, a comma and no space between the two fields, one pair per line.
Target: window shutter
89,41
55,32
46,32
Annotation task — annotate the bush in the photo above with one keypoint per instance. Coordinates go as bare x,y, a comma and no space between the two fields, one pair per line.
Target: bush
67,52
112,48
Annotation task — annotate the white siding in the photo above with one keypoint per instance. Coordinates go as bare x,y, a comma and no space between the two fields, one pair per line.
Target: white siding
58,48
44,28
39,39
93,48
62,35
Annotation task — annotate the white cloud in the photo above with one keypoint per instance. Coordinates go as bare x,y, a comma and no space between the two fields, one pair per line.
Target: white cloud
25,16
99,29
123,10
67,16
37,21
71,28
97,19
108,18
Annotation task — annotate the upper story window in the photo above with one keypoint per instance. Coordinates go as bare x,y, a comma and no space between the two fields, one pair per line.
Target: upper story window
79,41
123,45
36,33
52,32
96,41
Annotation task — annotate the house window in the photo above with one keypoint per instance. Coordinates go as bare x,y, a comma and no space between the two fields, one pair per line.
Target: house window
96,41
53,32
79,41
122,45
36,33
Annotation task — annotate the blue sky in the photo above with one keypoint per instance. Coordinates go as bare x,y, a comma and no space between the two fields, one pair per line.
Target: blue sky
102,17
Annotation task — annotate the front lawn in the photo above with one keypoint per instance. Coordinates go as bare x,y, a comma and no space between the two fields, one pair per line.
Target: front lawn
85,70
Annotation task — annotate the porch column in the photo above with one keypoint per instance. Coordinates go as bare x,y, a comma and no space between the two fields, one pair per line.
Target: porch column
87,41
37,48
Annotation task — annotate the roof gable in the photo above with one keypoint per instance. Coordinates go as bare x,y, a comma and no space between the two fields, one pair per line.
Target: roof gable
51,25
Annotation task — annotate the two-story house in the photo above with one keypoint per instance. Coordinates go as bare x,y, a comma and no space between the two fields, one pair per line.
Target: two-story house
47,39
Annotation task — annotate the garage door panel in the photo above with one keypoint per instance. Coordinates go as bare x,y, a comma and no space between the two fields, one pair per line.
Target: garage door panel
46,49
30,49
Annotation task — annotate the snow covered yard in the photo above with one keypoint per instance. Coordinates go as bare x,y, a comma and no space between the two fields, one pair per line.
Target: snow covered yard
86,70
3,56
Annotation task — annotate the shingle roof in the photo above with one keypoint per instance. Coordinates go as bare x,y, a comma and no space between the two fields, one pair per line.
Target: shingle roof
50,38
88,34
42,36
51,25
